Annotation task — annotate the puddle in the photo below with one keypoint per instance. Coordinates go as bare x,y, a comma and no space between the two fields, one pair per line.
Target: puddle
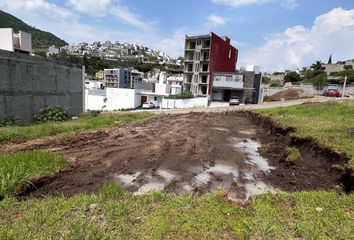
204,177
249,132
256,188
127,179
150,187
251,148
248,176
221,129
168,176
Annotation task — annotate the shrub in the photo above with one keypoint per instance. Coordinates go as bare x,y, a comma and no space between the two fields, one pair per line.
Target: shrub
267,99
10,120
292,77
275,85
54,113
95,113
293,154
185,95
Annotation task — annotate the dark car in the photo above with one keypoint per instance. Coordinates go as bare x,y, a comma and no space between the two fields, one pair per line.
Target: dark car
250,101
332,93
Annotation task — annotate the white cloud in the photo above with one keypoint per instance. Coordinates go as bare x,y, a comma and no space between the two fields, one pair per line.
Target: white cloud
102,8
331,33
216,21
287,4
49,17
174,45
96,8
123,13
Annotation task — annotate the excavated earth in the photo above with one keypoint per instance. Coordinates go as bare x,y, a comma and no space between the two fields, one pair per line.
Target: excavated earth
239,152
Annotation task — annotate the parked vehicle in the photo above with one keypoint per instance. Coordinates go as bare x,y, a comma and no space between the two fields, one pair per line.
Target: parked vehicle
250,101
234,101
332,93
148,105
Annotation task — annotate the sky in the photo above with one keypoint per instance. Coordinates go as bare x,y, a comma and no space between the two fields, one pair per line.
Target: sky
274,34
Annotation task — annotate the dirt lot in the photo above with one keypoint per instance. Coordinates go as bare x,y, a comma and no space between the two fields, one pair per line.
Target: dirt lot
195,152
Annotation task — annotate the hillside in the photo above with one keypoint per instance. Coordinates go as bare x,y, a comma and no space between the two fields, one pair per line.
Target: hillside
40,39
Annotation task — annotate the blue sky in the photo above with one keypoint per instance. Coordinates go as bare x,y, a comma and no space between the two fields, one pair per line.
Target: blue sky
275,34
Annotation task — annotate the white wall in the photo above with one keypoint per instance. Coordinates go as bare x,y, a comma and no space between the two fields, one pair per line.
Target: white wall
121,98
184,103
116,99
25,41
6,39
94,99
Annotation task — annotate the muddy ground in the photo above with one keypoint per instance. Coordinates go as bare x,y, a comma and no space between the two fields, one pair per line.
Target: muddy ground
196,152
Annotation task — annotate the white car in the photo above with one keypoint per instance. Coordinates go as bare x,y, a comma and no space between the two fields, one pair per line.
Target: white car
148,105
234,101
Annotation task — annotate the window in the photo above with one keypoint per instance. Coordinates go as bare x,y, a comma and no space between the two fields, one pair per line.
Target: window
229,78
230,53
199,42
155,98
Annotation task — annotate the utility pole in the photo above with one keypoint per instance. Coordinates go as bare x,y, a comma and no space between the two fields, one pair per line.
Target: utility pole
344,86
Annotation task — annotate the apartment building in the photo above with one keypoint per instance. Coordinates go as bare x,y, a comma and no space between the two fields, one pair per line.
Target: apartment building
121,77
205,57
15,42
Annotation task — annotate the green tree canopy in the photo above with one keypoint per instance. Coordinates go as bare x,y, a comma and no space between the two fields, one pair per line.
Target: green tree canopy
292,77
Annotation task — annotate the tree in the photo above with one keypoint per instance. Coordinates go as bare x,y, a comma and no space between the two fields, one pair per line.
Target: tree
292,77
330,59
320,81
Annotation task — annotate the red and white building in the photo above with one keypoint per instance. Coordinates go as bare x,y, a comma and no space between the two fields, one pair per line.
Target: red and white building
210,67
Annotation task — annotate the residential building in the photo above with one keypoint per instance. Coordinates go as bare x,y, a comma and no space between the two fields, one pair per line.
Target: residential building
121,77
52,50
338,67
207,56
175,82
15,42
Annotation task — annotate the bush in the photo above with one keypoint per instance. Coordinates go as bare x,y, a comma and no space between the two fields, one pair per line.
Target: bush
10,120
275,85
293,154
95,113
54,113
185,95
292,77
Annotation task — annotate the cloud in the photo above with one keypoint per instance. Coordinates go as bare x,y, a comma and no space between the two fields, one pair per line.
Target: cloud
102,8
174,45
95,8
216,21
287,4
49,17
331,33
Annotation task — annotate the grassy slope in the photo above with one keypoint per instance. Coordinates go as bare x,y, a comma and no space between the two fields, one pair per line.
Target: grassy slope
40,39
81,124
329,123
119,215
16,169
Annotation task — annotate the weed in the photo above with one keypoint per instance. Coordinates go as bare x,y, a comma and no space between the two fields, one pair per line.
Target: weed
293,154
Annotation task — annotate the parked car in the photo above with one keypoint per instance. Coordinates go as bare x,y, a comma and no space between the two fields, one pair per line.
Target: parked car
250,101
234,101
148,105
332,93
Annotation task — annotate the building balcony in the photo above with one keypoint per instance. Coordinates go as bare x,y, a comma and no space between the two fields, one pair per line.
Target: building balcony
233,83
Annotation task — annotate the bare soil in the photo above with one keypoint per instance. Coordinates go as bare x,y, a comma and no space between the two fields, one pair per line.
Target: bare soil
239,152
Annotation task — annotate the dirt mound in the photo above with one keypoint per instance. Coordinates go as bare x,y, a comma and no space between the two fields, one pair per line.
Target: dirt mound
290,94
196,152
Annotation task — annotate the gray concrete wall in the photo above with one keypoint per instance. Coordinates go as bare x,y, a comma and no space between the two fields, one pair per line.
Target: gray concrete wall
27,84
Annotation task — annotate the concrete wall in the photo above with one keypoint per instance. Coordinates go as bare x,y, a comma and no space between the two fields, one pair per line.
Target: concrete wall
111,99
310,89
27,84
184,103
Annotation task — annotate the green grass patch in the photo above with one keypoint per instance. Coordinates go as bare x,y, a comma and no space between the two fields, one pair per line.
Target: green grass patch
293,154
55,128
16,169
116,214
330,123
